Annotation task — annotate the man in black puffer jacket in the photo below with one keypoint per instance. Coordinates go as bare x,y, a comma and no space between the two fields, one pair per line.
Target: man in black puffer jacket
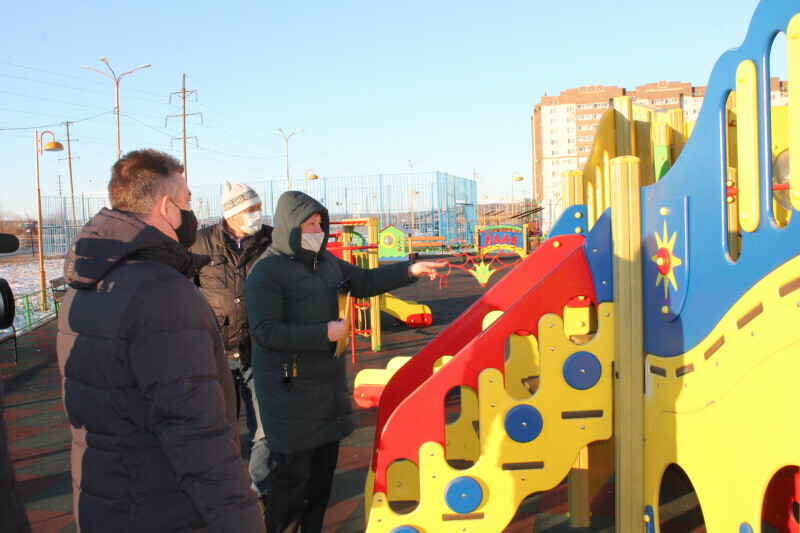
234,244
292,306
146,384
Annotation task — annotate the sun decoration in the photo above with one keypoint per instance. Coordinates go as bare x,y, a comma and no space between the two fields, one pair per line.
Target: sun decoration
666,261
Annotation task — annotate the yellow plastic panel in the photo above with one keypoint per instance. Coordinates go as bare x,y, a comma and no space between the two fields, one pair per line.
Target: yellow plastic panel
747,126
733,393
507,470
793,53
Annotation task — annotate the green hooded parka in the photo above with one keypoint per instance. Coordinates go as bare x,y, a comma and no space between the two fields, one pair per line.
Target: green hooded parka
291,295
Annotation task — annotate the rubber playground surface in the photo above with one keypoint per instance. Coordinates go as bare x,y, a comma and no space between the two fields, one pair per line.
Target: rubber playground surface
39,433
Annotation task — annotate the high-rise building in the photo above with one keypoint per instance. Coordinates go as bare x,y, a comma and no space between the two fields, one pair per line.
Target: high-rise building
563,128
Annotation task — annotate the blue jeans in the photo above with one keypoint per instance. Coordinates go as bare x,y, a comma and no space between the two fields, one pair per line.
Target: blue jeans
259,453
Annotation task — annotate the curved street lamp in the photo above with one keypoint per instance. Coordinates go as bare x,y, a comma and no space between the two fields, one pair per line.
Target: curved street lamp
116,79
286,138
309,175
52,146
514,177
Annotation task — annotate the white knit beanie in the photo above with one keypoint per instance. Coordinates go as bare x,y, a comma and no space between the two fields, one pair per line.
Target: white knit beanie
236,198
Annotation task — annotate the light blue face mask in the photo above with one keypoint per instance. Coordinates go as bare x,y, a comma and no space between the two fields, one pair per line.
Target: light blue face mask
252,222
312,241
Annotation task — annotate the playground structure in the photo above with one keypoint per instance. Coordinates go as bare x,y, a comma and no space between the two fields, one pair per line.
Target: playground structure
354,247
502,238
409,312
692,272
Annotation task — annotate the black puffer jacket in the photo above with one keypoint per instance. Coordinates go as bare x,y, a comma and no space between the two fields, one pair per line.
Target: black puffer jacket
222,283
291,296
147,388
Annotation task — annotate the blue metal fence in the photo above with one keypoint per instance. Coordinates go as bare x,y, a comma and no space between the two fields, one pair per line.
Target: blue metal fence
442,204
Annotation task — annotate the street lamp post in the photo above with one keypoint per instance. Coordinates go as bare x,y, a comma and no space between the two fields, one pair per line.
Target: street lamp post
116,79
514,177
309,175
52,146
286,138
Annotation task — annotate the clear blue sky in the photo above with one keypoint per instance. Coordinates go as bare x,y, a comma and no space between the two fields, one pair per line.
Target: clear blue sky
451,84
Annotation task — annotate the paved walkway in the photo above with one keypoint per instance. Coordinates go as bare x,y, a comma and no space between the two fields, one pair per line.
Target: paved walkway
39,434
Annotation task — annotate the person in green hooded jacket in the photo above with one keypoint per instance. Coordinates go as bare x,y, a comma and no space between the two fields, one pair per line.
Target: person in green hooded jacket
301,386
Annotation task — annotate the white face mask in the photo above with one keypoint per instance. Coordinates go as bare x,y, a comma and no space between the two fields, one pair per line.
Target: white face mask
252,222
312,241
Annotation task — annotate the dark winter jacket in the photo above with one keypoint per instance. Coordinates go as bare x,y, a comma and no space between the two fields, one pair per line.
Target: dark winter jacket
222,283
147,388
291,295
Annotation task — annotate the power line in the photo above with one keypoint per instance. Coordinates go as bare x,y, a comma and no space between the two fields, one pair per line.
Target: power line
80,88
56,124
84,80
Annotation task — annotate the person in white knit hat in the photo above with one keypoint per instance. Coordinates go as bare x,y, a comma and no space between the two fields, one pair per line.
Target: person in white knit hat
234,244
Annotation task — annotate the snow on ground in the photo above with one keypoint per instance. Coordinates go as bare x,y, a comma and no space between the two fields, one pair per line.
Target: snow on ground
24,277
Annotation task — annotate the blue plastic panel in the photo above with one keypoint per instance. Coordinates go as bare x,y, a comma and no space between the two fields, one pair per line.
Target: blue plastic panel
699,175
571,222
599,252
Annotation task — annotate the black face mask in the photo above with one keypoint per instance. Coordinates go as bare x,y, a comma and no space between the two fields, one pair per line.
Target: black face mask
187,231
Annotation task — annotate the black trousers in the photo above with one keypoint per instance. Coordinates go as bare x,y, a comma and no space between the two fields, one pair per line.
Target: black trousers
298,489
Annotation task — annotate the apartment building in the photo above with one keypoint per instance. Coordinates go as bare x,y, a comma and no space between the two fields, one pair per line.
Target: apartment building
563,127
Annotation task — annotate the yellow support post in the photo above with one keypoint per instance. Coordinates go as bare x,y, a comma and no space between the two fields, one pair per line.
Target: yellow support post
793,53
571,188
591,204
678,124
577,188
578,497
626,233
747,146
375,301
642,120
566,198
623,126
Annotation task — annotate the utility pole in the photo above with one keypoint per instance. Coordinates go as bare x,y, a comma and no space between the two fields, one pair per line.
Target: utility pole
69,160
183,93
59,185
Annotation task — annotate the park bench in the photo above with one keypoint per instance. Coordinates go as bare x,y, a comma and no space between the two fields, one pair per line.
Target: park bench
59,288
425,242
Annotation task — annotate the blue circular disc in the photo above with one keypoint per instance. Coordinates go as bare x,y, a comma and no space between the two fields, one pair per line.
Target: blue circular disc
744,527
582,370
463,495
404,529
523,423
